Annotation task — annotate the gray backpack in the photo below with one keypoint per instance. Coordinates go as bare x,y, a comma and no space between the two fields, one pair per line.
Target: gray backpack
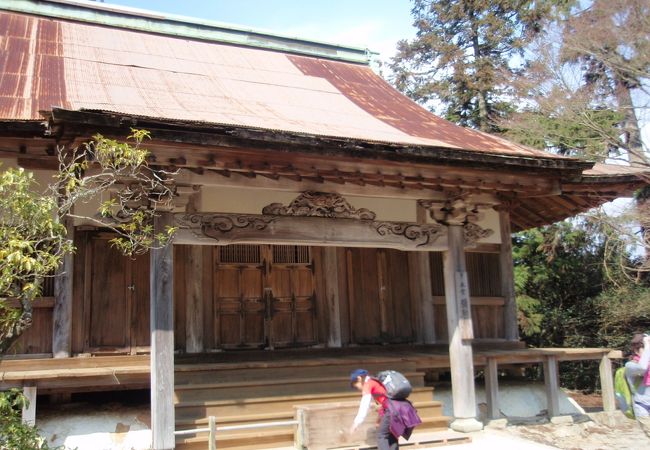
396,384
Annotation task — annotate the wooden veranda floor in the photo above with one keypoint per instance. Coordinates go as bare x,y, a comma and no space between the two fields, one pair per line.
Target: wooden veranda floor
79,374
243,387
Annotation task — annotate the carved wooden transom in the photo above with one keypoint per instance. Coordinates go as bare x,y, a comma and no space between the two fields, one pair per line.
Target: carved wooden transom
319,204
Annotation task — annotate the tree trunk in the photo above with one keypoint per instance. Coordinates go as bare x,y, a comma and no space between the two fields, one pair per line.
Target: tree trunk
483,109
630,124
636,154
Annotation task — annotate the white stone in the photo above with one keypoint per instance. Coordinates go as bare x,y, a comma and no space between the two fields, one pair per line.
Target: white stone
497,424
466,425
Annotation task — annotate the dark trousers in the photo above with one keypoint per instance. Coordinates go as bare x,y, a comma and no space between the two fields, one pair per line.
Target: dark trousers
385,439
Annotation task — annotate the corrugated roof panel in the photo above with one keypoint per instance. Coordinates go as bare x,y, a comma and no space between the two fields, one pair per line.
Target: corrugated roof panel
52,62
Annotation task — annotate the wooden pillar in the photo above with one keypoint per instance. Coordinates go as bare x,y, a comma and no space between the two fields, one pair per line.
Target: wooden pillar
62,312
420,286
507,278
194,300
552,383
607,384
162,341
492,389
459,322
332,296
29,412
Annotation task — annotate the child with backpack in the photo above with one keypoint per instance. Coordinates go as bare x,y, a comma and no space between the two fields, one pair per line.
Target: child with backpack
637,374
397,417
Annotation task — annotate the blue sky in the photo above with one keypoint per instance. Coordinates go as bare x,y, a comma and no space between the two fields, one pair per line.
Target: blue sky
375,24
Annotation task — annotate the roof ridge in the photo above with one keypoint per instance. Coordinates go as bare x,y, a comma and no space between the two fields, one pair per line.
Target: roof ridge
183,26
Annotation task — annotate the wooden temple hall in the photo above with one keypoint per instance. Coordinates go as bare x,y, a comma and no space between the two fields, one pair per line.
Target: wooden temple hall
326,222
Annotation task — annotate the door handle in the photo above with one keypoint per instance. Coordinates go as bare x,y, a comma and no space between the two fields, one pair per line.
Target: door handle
268,300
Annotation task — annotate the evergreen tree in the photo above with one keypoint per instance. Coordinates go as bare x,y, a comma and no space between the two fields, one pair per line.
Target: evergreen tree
460,54
611,41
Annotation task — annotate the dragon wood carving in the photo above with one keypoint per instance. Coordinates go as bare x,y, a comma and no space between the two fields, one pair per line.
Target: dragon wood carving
319,204
215,225
427,233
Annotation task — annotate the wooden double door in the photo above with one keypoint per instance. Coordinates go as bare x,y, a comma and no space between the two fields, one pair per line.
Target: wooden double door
116,301
264,296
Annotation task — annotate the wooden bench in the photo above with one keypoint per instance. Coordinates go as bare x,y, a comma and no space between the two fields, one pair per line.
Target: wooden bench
549,358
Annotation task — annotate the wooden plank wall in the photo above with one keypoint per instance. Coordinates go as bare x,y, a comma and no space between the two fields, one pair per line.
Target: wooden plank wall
484,276
375,302
38,338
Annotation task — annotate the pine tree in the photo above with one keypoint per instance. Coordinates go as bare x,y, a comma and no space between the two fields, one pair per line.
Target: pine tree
611,40
460,54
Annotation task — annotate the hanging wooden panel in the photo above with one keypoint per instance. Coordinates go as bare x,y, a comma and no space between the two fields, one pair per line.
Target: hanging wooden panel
398,299
282,308
253,306
109,312
363,291
140,297
304,305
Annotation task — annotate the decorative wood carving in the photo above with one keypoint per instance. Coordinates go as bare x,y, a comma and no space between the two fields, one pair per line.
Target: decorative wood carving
460,212
223,228
319,204
422,234
215,225
474,232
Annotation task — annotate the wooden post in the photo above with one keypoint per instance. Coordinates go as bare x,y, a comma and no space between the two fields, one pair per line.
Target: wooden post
212,424
29,412
194,300
459,321
607,384
62,312
331,275
162,340
507,278
552,384
420,280
492,389
420,285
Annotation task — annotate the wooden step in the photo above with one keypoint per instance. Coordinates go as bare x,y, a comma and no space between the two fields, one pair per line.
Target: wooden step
212,373
414,377
425,409
262,439
277,437
259,388
185,424
264,405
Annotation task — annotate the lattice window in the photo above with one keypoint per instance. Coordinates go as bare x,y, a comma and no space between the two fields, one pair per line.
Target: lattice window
484,273
240,254
291,254
47,289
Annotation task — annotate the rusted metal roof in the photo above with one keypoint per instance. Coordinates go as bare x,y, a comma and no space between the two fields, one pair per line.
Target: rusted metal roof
49,62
